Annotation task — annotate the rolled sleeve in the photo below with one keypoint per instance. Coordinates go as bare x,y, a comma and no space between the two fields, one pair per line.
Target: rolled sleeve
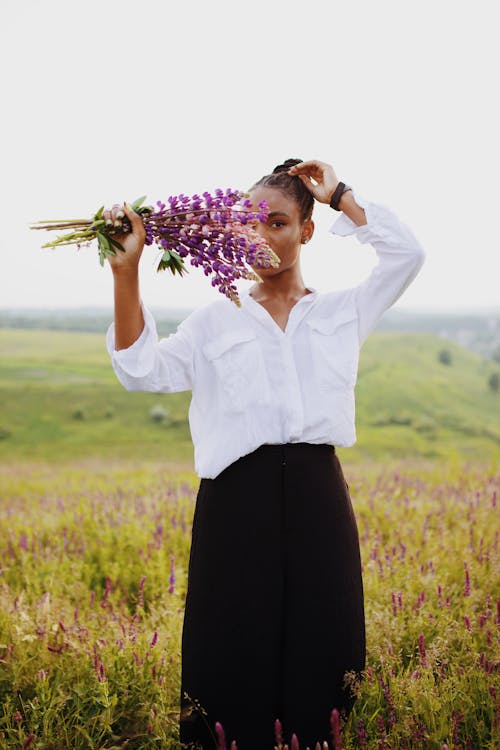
138,359
151,365
400,258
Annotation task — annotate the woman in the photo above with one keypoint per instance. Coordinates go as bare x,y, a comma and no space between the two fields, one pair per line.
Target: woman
274,617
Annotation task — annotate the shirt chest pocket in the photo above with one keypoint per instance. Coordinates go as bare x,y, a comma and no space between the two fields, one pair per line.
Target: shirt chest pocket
335,350
237,359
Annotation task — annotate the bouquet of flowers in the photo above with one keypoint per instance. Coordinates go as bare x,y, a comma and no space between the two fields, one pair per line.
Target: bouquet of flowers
217,231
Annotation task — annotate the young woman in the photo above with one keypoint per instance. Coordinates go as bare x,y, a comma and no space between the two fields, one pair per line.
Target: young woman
274,617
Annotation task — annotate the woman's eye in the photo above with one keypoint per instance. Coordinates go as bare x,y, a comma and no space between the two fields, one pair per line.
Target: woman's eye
278,224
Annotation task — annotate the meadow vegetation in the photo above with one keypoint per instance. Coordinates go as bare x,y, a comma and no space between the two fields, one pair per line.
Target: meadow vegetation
96,503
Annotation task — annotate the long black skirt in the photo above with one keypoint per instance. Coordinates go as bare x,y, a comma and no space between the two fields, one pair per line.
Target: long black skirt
274,613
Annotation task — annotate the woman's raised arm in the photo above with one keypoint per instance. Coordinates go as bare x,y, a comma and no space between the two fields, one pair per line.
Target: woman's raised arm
129,320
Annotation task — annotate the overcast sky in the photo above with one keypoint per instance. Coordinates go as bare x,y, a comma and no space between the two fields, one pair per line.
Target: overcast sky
105,101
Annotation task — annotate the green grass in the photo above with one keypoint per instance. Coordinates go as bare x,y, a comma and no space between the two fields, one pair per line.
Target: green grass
408,403
93,576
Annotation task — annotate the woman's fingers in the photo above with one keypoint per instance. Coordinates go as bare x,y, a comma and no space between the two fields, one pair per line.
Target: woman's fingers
318,177
313,168
135,220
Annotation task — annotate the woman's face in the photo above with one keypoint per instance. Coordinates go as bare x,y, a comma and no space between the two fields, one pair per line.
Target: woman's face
284,230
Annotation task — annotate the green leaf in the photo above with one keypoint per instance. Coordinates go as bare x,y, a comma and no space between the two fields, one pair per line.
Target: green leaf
99,213
104,244
138,202
115,243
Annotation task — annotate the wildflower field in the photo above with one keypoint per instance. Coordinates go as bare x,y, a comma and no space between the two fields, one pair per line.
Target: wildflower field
93,567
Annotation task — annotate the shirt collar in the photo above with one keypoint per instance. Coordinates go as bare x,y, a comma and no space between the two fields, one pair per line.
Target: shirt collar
246,297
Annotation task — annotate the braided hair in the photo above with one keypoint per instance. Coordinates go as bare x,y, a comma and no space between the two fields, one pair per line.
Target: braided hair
290,185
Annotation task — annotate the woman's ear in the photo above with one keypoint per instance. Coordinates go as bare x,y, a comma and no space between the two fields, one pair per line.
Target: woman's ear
307,231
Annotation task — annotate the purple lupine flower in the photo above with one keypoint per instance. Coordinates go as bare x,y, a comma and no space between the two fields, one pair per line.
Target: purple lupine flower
278,732
154,639
388,699
467,580
29,739
295,742
204,228
362,735
172,575
221,737
140,592
421,649
335,725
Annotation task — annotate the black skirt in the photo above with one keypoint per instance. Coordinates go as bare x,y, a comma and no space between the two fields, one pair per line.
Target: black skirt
274,613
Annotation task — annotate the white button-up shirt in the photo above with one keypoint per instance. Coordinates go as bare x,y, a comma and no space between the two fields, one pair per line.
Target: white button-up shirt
252,382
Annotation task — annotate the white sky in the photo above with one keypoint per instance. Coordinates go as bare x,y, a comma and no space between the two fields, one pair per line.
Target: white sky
105,101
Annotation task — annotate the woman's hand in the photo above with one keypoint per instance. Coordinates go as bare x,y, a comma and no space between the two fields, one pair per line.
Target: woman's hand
323,175
132,242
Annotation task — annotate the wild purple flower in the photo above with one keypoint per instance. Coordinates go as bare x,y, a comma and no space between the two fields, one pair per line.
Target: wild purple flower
467,580
295,742
29,739
335,725
154,639
382,732
172,575
362,735
388,699
56,649
140,593
221,737
457,717
278,732
421,649
467,623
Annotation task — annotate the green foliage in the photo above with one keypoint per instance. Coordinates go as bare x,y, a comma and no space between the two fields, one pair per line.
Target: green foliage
494,381
445,357
92,593
158,413
407,403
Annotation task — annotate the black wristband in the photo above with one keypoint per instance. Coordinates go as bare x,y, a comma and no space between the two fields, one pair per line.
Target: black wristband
337,195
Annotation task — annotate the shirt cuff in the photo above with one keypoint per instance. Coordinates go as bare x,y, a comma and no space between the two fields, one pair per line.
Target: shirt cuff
138,359
382,224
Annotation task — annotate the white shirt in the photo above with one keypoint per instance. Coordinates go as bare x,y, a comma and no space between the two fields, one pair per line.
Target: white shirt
252,382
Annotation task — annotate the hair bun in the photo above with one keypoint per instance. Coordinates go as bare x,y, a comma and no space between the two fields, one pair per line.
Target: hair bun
286,165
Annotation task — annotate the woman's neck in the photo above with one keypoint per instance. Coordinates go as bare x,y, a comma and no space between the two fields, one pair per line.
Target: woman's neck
284,287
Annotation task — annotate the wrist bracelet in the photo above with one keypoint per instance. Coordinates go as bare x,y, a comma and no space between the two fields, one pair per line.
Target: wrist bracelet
337,195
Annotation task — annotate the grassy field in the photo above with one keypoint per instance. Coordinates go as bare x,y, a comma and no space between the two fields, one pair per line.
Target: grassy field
92,587
60,400
96,504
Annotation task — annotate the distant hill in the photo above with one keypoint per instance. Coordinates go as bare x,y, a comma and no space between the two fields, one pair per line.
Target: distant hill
477,331
408,399
60,400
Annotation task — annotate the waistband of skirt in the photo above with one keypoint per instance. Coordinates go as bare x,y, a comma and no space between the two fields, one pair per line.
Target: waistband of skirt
295,446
